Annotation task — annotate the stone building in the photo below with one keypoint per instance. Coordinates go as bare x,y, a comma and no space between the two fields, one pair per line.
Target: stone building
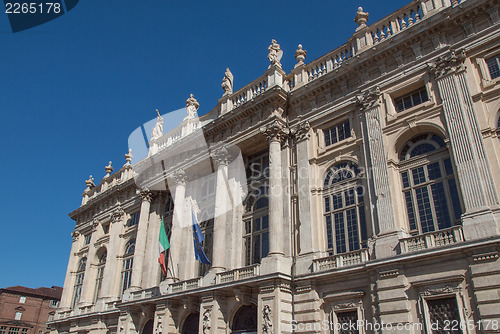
25,310
371,195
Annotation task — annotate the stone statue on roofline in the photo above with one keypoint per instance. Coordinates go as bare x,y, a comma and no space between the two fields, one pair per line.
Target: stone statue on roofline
227,82
191,107
275,54
158,128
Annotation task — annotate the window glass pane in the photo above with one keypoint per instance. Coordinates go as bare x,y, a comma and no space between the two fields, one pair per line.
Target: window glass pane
406,181
410,210
350,198
256,224
447,166
340,232
327,204
337,201
423,95
328,221
265,244
440,205
422,149
443,312
399,105
455,200
347,322
328,140
434,171
352,230
424,210
418,175
362,224
416,99
265,222
407,102
256,248
360,193
493,67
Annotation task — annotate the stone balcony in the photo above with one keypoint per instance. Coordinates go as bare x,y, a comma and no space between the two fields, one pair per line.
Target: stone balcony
237,274
186,285
434,239
341,260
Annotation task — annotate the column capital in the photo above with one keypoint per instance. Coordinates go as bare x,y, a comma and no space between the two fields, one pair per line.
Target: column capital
180,177
369,98
275,131
221,156
117,215
146,194
449,63
301,132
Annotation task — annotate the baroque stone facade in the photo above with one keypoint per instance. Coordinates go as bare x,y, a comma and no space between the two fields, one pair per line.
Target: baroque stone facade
370,195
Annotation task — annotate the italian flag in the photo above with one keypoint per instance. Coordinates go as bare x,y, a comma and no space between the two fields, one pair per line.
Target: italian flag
163,245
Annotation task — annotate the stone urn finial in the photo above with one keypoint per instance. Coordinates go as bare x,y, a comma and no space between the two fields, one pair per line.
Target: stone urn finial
108,169
361,18
300,55
90,183
129,156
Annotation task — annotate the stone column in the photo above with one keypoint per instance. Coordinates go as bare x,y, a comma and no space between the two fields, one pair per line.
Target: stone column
141,240
88,287
112,269
222,207
467,146
69,279
376,166
176,242
275,133
307,229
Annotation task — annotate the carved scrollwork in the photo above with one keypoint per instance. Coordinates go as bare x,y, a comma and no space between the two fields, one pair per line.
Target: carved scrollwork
146,194
369,99
267,324
439,291
180,177
117,215
447,64
302,131
276,131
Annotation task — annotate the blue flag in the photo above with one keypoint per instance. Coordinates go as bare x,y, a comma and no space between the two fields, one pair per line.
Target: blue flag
198,239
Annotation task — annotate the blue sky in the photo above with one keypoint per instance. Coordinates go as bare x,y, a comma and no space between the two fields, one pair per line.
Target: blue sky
72,91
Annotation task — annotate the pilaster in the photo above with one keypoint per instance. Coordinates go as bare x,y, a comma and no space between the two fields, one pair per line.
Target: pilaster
86,298
110,284
69,279
274,310
469,154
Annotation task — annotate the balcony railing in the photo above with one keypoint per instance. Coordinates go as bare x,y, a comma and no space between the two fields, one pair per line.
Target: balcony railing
341,260
237,274
434,239
146,293
189,284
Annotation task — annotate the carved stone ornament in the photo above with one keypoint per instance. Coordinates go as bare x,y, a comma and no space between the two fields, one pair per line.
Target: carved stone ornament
192,106
227,82
438,291
267,324
159,325
275,54
361,18
75,235
117,215
129,156
146,195
448,64
108,169
90,183
276,131
302,131
180,177
369,99
221,157
300,55
345,305
206,321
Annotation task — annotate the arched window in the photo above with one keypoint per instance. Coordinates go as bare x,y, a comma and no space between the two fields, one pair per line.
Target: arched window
344,210
429,186
128,261
191,324
80,273
245,320
100,272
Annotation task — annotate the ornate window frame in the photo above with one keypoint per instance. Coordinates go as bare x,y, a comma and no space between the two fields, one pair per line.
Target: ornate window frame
483,70
320,132
400,91
439,288
345,302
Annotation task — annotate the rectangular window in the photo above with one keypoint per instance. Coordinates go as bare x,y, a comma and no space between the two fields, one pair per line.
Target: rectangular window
3,329
54,303
18,315
87,239
337,133
347,322
494,66
134,219
411,100
13,330
22,299
443,314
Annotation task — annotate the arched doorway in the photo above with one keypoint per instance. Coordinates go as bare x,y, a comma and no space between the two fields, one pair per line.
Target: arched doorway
148,327
245,320
191,324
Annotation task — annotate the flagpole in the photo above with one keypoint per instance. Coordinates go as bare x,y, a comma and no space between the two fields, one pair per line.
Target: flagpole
170,246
